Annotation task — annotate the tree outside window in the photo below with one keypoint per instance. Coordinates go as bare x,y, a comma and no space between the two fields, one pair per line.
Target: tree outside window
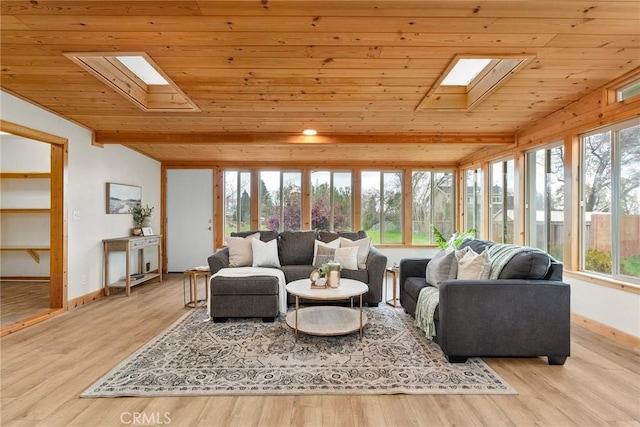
280,200
610,200
381,205
331,201
431,204
237,201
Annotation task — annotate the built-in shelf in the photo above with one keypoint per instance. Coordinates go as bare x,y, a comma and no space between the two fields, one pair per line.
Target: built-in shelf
25,175
31,250
25,210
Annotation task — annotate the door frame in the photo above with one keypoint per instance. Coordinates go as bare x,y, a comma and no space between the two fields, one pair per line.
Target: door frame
58,302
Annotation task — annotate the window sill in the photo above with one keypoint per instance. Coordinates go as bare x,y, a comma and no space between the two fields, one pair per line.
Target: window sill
604,281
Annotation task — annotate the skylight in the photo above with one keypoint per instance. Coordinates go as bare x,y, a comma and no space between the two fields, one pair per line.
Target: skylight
137,77
469,79
465,71
141,68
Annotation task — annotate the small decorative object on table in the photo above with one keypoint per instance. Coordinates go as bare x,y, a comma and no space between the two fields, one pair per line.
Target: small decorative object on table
333,274
140,215
316,281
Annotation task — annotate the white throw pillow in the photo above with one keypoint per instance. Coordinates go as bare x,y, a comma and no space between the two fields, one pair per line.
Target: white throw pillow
240,252
265,254
471,265
335,244
347,257
363,246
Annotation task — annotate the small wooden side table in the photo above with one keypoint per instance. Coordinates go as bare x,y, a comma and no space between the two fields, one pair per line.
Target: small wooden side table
394,272
193,274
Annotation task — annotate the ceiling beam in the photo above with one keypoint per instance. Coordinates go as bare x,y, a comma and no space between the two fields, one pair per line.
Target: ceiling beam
132,138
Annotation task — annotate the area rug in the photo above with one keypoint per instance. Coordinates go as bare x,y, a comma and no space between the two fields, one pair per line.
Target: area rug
195,357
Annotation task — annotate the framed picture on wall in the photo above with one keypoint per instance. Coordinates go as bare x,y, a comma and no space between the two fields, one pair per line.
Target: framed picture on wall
122,197
147,231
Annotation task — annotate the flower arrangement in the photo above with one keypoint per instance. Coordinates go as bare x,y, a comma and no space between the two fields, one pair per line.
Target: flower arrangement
141,214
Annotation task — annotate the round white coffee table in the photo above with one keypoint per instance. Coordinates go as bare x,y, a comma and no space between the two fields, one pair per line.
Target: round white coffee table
327,320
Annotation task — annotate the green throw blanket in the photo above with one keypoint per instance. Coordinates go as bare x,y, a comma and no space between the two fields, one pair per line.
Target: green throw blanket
426,307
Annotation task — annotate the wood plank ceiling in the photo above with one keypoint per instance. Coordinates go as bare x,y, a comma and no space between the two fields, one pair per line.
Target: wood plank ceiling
261,71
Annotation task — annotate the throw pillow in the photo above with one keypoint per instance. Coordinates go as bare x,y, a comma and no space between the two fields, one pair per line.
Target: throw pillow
324,255
443,266
240,252
265,254
347,257
334,245
363,246
471,265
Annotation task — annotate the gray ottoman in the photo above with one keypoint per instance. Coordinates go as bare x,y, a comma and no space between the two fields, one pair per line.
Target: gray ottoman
254,296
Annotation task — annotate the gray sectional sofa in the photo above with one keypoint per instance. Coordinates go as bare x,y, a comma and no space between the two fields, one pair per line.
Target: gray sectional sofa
257,296
525,312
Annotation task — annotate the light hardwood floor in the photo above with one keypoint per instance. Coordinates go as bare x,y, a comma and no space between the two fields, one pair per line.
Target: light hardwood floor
46,366
22,299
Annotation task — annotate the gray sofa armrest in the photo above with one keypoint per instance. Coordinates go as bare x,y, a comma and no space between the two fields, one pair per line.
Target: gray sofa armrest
376,264
504,318
219,260
413,267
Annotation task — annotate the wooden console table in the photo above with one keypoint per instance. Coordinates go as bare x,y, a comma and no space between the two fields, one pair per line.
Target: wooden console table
127,245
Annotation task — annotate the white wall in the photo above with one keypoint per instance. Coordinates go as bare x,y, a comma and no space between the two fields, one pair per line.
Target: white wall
89,169
613,307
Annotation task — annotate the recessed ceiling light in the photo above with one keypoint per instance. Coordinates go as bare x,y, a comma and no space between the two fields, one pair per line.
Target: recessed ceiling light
310,132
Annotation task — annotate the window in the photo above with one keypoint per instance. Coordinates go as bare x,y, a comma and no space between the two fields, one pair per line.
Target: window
628,91
545,200
382,206
280,200
431,203
502,198
611,200
237,201
473,200
331,201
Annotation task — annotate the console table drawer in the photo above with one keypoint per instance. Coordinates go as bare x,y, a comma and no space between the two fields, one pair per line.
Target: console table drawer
137,244
152,241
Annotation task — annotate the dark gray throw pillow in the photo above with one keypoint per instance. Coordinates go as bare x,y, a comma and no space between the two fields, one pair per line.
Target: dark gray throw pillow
528,265
296,247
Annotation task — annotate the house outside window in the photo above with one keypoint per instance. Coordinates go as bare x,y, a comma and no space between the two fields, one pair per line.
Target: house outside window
382,209
502,201
280,198
610,201
237,201
331,200
545,199
431,203
473,200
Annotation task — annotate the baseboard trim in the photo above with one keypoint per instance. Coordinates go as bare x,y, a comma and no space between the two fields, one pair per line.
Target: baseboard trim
86,299
25,278
41,317
606,331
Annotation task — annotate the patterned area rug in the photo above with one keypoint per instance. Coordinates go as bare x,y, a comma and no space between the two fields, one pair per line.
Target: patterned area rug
242,357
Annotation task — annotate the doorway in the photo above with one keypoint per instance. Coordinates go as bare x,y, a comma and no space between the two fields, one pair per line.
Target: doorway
56,248
189,218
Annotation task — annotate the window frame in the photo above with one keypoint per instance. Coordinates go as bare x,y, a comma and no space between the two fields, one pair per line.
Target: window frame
531,192
615,159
